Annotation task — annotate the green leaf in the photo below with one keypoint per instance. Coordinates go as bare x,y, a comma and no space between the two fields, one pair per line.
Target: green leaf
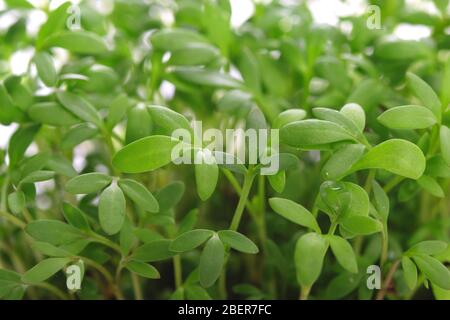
37,176
310,251
381,200
80,107
359,200
175,39
168,119
188,222
343,252
407,117
294,212
338,118
19,92
44,270
195,292
78,134
82,42
238,241
88,183
61,165
45,68
211,261
145,154
53,231
19,4
111,209
206,77
190,240
126,236
250,69
341,161
16,202
139,124
361,225
435,271
356,114
156,250
430,247
409,272
206,173
169,196
312,132
335,197
143,269
278,181
50,250
139,195
342,285
19,143
75,217
444,134
56,20
426,94
288,116
398,156
117,110
51,113
193,54
401,50
8,111
431,185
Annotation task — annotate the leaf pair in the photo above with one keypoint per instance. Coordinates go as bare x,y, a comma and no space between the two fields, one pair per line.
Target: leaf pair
333,126
213,255
112,204
413,116
153,152
420,256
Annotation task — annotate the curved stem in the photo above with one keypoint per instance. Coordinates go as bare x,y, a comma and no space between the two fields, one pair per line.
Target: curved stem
387,282
51,288
235,184
393,183
248,181
99,268
105,241
13,219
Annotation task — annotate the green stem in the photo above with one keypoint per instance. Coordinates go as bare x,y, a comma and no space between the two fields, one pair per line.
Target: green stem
51,288
108,276
99,268
369,181
136,287
223,282
235,184
393,183
102,240
117,276
248,181
387,282
177,271
304,293
13,219
3,193
384,247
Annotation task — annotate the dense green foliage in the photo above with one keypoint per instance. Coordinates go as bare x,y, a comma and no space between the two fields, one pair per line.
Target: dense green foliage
87,178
